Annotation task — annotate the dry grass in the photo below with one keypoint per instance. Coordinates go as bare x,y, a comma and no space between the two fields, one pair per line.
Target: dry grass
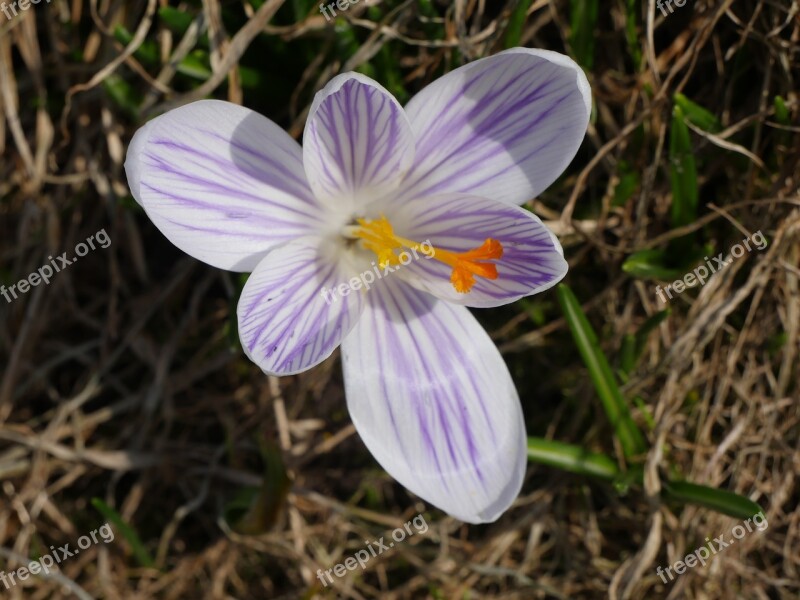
121,381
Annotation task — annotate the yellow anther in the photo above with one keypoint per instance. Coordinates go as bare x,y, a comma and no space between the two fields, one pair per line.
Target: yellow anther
378,236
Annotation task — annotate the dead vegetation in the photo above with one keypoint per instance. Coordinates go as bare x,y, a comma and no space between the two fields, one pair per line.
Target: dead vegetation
123,381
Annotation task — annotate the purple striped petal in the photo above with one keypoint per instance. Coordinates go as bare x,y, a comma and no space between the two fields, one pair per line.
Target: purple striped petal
433,401
290,315
502,127
222,183
532,258
357,144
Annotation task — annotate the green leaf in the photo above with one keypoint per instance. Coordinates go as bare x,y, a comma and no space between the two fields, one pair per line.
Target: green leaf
250,78
196,65
347,43
616,409
697,115
147,51
631,32
583,20
683,176
781,111
575,459
722,501
126,531
175,19
572,458
301,9
256,510
651,264
516,23
645,412
629,182
122,94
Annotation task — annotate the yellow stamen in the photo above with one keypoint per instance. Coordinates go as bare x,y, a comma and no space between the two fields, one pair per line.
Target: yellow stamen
378,236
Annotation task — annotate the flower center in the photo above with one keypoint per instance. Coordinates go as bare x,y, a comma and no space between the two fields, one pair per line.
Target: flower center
378,236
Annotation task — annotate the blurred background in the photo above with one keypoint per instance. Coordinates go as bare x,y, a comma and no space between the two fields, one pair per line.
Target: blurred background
126,398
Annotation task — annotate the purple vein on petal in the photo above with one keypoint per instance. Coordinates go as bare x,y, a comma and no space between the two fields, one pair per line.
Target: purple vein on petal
446,405
205,184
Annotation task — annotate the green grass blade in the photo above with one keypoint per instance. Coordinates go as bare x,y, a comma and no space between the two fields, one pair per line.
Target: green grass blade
645,412
603,378
255,510
175,19
632,34
516,23
781,111
629,182
697,115
196,65
683,172
722,501
572,458
651,264
147,51
583,20
123,94
126,531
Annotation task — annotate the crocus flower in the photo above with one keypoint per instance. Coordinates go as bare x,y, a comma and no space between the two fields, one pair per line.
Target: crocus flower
426,388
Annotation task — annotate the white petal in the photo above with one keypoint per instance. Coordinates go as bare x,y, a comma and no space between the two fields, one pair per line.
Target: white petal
357,144
434,402
290,316
503,127
222,183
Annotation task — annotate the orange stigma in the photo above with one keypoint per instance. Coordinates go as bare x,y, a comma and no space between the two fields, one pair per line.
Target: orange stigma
378,236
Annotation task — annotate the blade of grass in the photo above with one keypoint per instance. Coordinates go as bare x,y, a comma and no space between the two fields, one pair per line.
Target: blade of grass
583,21
781,111
516,22
721,501
616,409
126,531
683,172
651,264
683,177
256,510
631,34
698,115
629,182
574,459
